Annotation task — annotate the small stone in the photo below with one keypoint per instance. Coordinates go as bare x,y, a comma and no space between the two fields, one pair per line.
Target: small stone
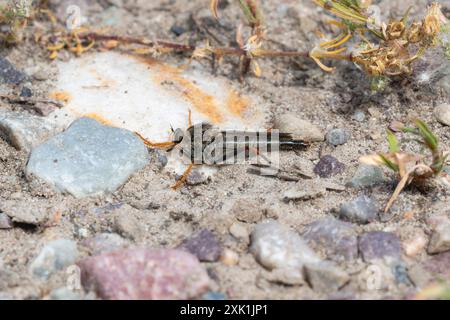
211,295
325,277
26,92
275,246
289,276
104,242
196,177
56,255
9,74
41,75
82,232
442,113
337,137
439,263
88,159
24,131
379,245
440,239
161,157
415,245
144,274
367,176
360,210
328,166
64,294
33,212
401,274
5,221
299,128
229,257
359,116
177,30
203,245
337,238
240,232
304,190
127,226
247,210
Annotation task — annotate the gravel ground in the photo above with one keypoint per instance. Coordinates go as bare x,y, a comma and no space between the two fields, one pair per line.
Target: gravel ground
312,247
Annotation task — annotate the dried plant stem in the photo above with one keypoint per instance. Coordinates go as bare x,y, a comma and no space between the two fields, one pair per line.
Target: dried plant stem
220,51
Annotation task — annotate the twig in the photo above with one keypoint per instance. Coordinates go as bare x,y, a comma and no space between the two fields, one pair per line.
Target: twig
31,101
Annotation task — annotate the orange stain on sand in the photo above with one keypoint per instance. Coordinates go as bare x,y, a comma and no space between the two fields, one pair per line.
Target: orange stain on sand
61,96
203,102
99,118
237,103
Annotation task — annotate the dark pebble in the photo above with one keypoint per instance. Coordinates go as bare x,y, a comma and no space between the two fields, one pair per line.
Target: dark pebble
378,245
203,245
328,166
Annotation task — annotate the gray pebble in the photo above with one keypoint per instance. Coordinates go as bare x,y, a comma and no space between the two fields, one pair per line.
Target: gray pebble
240,232
196,177
33,212
442,113
360,210
104,242
377,245
359,116
325,277
440,238
88,159
247,210
127,226
337,137
367,176
56,255
276,246
5,221
9,74
24,131
337,238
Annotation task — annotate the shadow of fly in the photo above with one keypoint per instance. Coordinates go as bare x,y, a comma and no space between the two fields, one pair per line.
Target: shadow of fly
203,144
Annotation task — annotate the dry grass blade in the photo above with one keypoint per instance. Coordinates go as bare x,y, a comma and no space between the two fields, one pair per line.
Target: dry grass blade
214,7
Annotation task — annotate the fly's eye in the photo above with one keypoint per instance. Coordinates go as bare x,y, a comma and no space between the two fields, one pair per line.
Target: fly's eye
178,136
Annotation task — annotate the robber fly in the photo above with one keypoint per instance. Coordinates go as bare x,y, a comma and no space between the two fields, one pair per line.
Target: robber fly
204,144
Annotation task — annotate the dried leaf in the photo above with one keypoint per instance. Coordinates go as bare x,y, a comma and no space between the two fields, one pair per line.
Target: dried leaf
373,160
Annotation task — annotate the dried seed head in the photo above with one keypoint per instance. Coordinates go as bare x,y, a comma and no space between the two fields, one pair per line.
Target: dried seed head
433,20
395,30
414,32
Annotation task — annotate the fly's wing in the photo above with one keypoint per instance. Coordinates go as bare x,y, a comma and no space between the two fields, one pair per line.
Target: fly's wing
287,142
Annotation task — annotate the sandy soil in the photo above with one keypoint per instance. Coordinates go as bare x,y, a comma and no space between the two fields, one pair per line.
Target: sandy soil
168,217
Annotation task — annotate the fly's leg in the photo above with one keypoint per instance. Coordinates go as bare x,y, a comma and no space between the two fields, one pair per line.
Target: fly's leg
183,178
156,145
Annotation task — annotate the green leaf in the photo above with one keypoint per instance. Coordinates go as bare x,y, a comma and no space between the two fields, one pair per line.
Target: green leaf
430,139
388,163
393,142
